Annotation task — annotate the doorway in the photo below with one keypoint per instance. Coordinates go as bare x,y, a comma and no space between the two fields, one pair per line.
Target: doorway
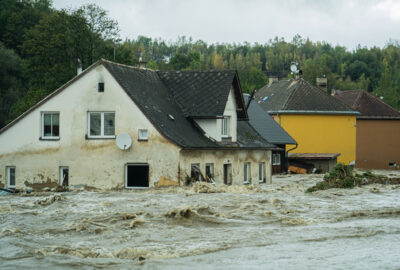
137,176
228,174
64,176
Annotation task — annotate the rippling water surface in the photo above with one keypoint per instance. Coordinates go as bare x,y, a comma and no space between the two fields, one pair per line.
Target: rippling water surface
204,227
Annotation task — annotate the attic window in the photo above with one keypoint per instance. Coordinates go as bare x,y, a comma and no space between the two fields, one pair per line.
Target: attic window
101,87
171,117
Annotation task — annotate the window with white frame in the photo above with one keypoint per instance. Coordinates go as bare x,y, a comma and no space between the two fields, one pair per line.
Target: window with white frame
261,172
225,126
11,177
276,159
143,135
247,173
101,124
50,125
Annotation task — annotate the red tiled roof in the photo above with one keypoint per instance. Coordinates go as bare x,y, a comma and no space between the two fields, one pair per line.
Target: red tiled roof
369,106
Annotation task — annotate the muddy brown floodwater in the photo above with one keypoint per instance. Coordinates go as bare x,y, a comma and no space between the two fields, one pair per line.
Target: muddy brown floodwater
276,226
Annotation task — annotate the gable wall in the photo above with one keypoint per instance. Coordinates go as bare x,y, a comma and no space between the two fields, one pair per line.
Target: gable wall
212,127
98,163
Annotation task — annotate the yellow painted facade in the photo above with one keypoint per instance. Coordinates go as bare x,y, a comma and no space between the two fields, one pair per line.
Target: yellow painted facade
322,134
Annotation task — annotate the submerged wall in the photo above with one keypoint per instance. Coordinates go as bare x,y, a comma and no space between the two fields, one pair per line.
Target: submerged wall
236,158
92,162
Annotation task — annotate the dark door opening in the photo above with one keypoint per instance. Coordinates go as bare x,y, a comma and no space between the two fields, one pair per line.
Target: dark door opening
64,176
137,175
228,174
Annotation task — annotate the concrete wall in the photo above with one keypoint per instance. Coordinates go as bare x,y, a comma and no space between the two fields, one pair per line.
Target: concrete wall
99,163
322,134
378,144
220,157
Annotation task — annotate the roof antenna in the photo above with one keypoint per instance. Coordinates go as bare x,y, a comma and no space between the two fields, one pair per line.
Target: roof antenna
79,67
250,98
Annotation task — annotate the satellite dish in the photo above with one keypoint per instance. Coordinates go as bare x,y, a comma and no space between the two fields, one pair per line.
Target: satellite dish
293,68
124,141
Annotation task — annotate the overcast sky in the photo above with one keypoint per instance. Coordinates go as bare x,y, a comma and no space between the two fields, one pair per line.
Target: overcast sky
344,22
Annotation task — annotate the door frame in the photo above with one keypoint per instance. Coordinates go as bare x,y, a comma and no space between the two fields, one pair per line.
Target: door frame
227,174
61,180
136,164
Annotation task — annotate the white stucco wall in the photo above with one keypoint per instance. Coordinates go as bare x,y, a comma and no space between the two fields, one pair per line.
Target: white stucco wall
220,157
99,163
212,127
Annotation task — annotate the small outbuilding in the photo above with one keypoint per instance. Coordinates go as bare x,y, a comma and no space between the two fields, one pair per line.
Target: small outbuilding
378,130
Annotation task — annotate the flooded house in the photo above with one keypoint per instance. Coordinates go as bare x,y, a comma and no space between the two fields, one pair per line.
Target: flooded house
118,126
378,130
321,124
269,129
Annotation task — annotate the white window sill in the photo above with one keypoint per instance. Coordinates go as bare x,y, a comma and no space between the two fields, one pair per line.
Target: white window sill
260,181
100,137
44,138
136,187
246,183
275,164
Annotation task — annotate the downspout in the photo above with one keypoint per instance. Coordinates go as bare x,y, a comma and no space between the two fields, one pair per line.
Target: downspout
287,156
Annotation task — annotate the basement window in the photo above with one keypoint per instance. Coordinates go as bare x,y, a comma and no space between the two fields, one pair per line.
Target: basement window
11,177
276,159
101,124
50,125
143,135
246,172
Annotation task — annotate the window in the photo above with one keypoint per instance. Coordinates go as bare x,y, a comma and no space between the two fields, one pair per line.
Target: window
195,173
101,124
246,173
50,125
276,159
225,126
210,172
101,87
261,172
143,135
11,177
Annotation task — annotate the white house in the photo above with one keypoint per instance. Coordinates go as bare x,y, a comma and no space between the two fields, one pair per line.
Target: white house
178,122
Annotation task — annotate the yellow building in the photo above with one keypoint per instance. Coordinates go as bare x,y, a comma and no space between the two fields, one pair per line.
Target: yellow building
317,121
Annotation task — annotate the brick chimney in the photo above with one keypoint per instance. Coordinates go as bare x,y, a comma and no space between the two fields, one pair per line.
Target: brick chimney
322,82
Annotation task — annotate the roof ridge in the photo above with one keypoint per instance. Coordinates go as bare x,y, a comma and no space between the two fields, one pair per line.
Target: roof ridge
102,60
292,93
197,70
358,99
382,102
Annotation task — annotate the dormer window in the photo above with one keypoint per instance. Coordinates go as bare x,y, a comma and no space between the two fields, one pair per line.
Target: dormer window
225,127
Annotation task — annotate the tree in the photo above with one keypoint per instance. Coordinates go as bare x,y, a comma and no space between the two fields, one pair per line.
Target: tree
11,86
101,28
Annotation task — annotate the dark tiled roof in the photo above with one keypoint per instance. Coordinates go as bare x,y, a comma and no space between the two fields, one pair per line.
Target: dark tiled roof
368,105
265,125
247,136
158,103
293,96
201,94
